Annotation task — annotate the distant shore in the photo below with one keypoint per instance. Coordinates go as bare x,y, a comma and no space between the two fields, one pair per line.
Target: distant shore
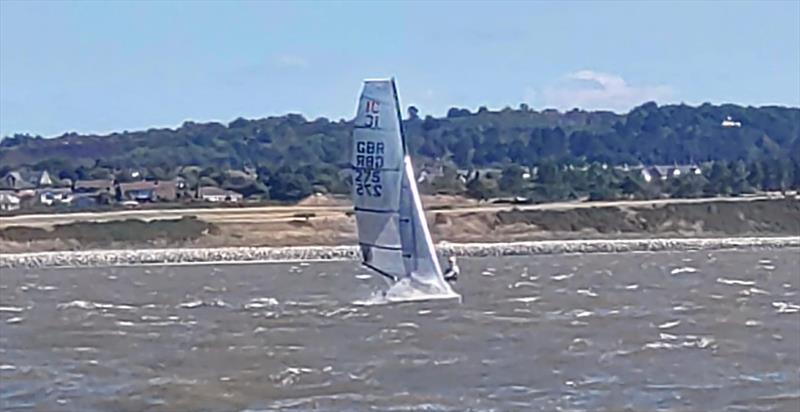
330,223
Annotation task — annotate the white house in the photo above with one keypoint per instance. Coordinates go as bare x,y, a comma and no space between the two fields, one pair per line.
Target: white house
52,196
729,122
9,201
218,195
668,172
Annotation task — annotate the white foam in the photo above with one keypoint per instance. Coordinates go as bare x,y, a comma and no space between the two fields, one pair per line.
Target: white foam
191,304
259,303
786,307
561,277
406,290
84,304
526,299
685,269
737,282
669,325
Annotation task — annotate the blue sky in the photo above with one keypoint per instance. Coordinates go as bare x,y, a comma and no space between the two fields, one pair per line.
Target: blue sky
110,66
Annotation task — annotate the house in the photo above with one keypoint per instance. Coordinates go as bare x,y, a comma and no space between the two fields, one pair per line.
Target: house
22,179
219,195
44,179
647,176
15,181
84,200
686,170
423,176
430,173
54,195
148,191
489,172
94,186
465,175
729,122
660,172
9,201
241,177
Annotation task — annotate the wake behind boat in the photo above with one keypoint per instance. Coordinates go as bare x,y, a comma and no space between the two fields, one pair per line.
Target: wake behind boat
393,234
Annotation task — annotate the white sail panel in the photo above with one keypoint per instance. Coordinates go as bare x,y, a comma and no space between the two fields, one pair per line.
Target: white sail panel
377,173
418,251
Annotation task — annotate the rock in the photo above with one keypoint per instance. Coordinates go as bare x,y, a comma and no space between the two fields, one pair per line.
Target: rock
267,254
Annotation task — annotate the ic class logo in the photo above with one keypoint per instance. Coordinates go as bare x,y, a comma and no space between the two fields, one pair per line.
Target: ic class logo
373,110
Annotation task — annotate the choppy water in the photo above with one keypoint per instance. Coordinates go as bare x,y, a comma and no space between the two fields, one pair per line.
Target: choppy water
640,332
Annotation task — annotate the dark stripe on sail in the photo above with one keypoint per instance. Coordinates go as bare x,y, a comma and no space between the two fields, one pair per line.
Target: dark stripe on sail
384,169
379,211
380,272
384,247
369,127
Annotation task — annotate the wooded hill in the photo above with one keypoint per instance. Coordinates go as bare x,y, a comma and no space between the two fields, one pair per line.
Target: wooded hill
292,153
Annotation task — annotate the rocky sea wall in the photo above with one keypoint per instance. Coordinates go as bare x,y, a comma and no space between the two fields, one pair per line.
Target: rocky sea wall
308,253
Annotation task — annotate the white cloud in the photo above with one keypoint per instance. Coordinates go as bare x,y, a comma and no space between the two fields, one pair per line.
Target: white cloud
288,60
587,89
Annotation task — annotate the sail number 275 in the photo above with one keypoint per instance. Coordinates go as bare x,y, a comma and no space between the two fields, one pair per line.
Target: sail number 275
369,162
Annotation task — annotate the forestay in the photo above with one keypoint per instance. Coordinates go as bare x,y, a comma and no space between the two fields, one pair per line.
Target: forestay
392,231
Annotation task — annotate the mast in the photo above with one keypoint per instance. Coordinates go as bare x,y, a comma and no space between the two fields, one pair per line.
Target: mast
399,117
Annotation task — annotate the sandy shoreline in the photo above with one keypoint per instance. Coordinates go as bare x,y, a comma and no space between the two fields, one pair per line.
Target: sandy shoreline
229,255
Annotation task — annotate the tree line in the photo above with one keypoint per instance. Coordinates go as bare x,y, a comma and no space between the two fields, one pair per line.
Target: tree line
574,154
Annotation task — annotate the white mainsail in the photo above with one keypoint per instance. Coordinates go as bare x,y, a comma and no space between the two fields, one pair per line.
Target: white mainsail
392,231
377,164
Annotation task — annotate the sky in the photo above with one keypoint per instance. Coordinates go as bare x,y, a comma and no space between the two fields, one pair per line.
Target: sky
98,67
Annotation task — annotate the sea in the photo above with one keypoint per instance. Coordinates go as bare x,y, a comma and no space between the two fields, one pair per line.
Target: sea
666,331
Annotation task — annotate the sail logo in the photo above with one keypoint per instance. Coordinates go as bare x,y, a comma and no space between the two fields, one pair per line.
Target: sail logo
372,109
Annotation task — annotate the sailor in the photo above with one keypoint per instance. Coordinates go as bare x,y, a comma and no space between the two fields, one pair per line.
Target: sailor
451,274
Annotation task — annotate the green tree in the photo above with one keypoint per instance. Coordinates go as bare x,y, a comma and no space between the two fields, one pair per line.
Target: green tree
478,188
462,153
633,186
289,186
511,181
755,175
549,173
719,180
739,183
777,175
688,186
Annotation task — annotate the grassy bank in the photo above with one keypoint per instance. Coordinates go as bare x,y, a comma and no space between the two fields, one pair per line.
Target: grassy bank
99,235
336,225
723,218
